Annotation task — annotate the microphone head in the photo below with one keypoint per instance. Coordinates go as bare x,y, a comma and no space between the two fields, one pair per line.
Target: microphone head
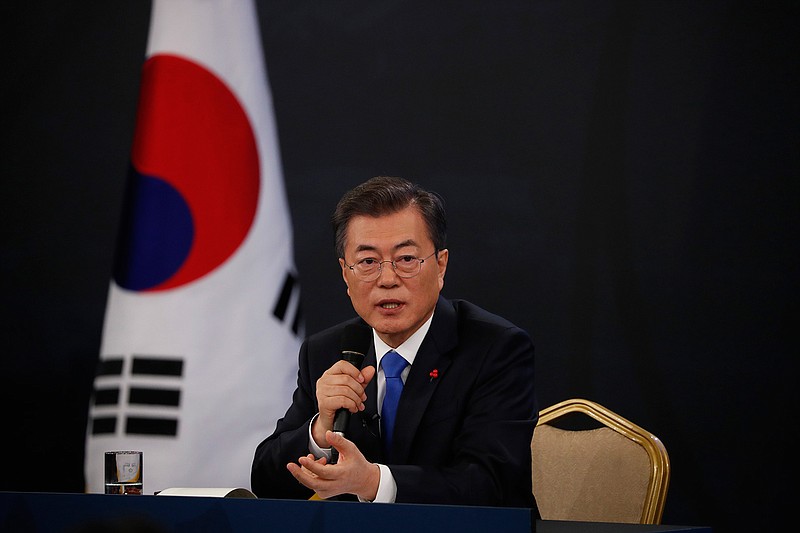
355,342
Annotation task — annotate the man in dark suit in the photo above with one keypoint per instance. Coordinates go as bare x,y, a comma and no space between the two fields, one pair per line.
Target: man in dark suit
467,410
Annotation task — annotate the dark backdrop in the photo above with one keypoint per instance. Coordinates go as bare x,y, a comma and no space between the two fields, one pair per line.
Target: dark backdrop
621,179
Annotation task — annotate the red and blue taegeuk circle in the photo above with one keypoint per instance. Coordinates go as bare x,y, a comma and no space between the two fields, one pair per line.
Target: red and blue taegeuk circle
194,179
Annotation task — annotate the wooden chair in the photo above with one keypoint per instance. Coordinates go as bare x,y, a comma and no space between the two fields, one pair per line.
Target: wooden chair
617,472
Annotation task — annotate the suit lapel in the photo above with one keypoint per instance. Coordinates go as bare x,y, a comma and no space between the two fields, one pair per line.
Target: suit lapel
371,406
435,353
371,445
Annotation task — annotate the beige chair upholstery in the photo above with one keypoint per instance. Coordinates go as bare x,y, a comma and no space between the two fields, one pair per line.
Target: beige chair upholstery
617,472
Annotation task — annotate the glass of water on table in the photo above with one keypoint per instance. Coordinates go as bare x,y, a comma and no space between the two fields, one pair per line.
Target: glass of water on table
123,472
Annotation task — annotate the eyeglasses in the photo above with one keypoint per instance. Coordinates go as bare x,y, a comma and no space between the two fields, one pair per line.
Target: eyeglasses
405,266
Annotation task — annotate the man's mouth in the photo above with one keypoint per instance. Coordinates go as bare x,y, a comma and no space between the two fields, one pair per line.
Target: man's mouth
390,305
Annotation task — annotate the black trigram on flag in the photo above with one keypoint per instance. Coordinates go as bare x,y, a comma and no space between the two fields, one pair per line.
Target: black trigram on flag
281,307
137,395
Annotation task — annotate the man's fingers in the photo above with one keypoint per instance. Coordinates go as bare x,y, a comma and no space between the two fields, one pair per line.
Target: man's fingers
317,468
334,439
368,372
307,470
346,392
342,445
345,368
342,387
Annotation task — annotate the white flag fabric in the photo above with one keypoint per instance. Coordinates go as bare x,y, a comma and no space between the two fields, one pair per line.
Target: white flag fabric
202,328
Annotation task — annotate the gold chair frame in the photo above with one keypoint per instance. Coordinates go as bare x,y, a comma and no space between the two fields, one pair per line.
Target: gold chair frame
659,474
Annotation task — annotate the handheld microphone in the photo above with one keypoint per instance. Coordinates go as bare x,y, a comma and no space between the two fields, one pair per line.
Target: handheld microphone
355,342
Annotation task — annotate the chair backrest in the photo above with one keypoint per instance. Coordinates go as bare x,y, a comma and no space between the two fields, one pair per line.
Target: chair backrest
617,472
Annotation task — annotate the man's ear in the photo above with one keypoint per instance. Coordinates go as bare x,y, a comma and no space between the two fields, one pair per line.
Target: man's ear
344,273
441,264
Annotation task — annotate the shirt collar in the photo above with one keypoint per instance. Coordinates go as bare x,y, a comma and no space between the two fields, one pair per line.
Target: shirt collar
408,350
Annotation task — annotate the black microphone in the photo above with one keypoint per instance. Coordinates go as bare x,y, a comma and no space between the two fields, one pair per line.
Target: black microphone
355,342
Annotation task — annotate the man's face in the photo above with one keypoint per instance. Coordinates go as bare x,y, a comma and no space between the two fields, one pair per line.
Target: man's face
396,307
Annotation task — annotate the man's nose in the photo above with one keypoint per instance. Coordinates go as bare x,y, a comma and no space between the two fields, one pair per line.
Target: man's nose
388,275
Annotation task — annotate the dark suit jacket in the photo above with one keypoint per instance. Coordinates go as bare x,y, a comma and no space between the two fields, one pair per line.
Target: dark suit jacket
462,438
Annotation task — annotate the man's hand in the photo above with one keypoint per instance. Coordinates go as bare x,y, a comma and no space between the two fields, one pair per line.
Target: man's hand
353,474
341,386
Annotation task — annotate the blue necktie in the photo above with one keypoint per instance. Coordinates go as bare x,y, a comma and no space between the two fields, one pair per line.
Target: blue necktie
393,365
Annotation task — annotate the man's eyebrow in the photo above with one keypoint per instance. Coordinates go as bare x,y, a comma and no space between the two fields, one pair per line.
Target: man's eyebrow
371,248
365,248
405,244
